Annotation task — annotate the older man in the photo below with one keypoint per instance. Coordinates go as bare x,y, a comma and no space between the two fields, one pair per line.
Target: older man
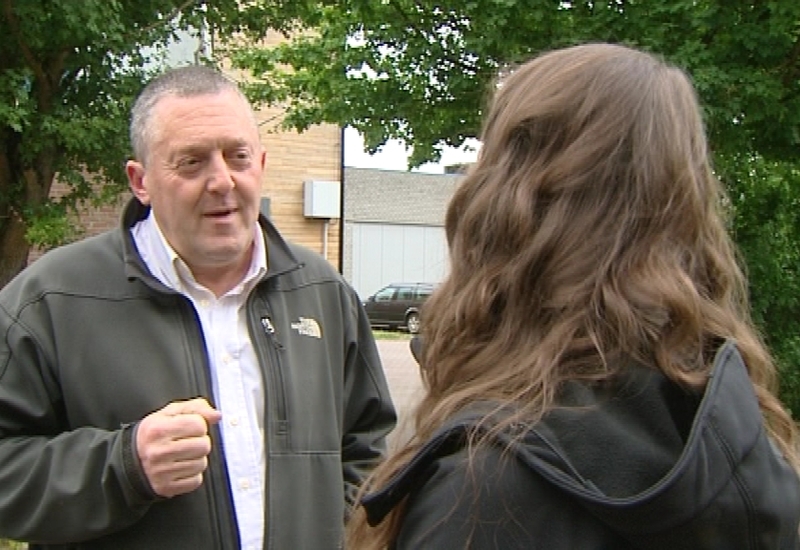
190,380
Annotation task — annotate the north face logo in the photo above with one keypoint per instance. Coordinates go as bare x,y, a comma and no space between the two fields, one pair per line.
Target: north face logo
307,327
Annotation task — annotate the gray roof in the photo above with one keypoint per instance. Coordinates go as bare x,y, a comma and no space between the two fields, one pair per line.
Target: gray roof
393,196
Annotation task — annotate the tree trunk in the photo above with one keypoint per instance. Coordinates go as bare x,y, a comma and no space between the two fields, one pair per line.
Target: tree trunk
14,249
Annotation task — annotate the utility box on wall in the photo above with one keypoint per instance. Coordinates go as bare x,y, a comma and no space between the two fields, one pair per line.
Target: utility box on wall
322,199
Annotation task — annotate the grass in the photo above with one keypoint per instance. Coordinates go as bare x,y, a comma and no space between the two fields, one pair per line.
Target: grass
10,545
390,335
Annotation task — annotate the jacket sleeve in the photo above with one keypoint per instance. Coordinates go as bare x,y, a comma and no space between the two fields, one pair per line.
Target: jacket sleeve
369,411
60,484
493,502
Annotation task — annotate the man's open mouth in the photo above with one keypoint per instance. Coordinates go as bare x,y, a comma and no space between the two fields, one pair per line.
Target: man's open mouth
221,213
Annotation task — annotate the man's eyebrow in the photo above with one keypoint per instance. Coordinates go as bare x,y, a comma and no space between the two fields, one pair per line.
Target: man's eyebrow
187,150
236,143
204,147
194,148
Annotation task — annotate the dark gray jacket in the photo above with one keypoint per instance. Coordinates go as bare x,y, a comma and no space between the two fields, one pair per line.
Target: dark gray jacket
91,343
641,464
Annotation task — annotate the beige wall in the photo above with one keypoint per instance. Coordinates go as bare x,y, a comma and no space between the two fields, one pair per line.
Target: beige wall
292,159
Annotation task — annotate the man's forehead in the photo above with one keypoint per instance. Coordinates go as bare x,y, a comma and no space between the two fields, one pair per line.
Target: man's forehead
236,104
192,142
203,122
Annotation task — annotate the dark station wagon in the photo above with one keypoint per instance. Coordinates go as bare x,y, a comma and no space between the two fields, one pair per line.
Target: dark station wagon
397,305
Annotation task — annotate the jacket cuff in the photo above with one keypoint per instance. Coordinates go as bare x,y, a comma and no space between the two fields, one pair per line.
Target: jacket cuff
132,465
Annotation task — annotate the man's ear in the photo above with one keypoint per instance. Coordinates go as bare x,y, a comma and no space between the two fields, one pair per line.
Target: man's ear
135,172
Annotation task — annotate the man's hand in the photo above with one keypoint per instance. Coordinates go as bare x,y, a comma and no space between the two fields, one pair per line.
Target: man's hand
173,445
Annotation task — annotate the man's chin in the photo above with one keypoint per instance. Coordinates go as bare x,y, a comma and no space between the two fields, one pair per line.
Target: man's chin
223,254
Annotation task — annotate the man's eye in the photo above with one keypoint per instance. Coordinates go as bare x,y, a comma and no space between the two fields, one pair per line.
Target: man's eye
188,162
189,165
240,157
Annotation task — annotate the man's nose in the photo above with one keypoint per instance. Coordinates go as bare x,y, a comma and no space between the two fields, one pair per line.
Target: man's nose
219,174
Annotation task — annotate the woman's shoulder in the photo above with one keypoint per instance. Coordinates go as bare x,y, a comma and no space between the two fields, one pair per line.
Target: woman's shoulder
487,497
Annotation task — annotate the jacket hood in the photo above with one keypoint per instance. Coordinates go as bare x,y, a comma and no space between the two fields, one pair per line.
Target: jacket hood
659,465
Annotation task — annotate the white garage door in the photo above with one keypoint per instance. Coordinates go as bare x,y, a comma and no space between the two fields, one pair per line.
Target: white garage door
386,253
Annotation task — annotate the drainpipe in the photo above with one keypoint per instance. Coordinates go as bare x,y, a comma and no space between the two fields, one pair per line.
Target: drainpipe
341,200
325,226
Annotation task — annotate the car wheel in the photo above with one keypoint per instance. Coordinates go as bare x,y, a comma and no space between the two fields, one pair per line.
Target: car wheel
412,323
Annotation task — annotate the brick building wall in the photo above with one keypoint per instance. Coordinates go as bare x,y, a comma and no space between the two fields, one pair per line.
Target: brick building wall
292,159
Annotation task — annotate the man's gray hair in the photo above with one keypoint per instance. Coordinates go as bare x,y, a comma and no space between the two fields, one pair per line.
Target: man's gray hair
187,81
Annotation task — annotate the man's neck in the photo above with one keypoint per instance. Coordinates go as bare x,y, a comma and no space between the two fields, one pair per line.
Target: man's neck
221,280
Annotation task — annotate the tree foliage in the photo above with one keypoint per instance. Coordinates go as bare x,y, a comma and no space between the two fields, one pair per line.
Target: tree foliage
420,70
68,71
766,200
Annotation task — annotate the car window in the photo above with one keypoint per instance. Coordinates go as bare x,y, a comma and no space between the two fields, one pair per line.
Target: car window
423,293
405,293
385,294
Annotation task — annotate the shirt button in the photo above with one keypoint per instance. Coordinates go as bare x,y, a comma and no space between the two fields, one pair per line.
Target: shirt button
234,421
244,484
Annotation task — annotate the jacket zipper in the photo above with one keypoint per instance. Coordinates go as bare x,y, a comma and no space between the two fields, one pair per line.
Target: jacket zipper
273,389
274,374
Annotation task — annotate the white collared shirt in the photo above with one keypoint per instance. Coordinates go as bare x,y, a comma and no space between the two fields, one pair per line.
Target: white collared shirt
236,378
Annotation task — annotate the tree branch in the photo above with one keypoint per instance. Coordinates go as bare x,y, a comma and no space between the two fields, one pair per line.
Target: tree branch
457,62
27,54
175,11
792,65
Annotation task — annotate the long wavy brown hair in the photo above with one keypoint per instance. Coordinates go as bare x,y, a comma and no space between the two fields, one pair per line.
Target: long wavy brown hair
591,227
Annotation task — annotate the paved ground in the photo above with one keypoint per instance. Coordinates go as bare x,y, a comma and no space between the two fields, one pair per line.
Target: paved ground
402,374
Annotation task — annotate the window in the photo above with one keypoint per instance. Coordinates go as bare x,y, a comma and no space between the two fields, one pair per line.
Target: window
385,295
405,294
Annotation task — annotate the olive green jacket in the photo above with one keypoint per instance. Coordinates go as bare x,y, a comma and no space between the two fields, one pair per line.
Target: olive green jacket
91,343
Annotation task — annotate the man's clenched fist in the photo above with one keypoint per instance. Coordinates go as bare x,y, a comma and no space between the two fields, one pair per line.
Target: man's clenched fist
173,445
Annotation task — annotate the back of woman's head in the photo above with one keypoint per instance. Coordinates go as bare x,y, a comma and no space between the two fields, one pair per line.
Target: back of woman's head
589,229
589,232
